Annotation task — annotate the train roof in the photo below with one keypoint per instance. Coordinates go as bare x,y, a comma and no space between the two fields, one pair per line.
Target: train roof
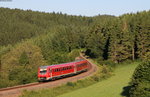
62,64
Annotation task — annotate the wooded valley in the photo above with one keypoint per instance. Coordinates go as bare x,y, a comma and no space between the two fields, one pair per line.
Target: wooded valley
29,39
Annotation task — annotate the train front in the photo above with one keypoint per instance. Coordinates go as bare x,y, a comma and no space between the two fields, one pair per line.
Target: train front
43,73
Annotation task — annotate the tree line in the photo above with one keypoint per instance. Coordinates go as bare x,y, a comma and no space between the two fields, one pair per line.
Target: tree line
123,38
17,25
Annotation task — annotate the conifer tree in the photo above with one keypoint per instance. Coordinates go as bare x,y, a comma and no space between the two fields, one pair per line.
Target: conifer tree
96,42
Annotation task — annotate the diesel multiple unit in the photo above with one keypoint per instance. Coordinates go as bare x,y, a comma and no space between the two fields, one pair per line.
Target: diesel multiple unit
60,70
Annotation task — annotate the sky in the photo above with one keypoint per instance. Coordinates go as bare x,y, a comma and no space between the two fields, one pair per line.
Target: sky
80,7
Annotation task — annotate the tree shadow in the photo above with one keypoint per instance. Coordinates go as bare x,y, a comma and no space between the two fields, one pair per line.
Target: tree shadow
125,91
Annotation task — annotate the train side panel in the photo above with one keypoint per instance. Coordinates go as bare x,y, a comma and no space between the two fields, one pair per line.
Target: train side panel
62,71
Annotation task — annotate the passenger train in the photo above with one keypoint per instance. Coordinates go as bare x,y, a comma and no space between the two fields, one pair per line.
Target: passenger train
52,72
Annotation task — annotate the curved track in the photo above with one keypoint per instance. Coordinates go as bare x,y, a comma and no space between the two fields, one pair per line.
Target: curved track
16,90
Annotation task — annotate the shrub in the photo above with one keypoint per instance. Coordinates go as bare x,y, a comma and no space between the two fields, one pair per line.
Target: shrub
20,64
96,78
107,62
24,59
141,81
71,84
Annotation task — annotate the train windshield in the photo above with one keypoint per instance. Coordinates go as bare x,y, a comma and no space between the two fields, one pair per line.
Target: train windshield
43,71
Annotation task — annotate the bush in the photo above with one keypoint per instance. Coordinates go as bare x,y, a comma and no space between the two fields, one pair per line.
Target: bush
141,81
96,78
73,54
126,62
71,84
24,59
107,62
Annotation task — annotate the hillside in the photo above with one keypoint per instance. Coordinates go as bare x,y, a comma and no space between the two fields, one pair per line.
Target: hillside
17,25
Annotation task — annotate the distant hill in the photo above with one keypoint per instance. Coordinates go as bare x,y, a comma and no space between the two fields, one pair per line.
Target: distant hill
17,25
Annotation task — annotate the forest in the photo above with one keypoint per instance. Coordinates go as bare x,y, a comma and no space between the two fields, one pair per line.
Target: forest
29,39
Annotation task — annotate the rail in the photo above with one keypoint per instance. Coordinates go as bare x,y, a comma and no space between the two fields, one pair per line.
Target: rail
16,90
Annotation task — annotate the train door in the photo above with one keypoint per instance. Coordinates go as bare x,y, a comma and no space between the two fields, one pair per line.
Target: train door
50,72
75,68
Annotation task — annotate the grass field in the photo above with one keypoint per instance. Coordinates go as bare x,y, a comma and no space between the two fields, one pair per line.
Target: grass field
112,87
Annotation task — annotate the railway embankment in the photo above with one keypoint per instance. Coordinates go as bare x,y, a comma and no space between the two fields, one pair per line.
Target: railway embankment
17,90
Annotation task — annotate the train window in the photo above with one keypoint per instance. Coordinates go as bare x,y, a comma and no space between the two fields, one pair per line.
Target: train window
64,68
43,71
67,67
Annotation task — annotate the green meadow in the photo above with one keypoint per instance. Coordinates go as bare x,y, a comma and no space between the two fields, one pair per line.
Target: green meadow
112,87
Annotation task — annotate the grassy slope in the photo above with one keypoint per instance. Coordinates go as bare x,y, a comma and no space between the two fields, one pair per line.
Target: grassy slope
107,88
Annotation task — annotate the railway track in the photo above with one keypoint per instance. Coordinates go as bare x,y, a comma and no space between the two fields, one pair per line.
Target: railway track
15,91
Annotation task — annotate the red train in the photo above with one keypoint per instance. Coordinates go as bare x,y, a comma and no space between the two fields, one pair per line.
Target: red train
60,70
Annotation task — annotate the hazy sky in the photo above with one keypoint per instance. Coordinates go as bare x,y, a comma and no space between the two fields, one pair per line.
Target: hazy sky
80,7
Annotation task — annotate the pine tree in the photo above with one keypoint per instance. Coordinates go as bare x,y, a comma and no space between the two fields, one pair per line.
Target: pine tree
143,34
115,43
96,42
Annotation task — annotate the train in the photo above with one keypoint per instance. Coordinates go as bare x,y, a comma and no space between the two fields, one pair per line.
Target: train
52,72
